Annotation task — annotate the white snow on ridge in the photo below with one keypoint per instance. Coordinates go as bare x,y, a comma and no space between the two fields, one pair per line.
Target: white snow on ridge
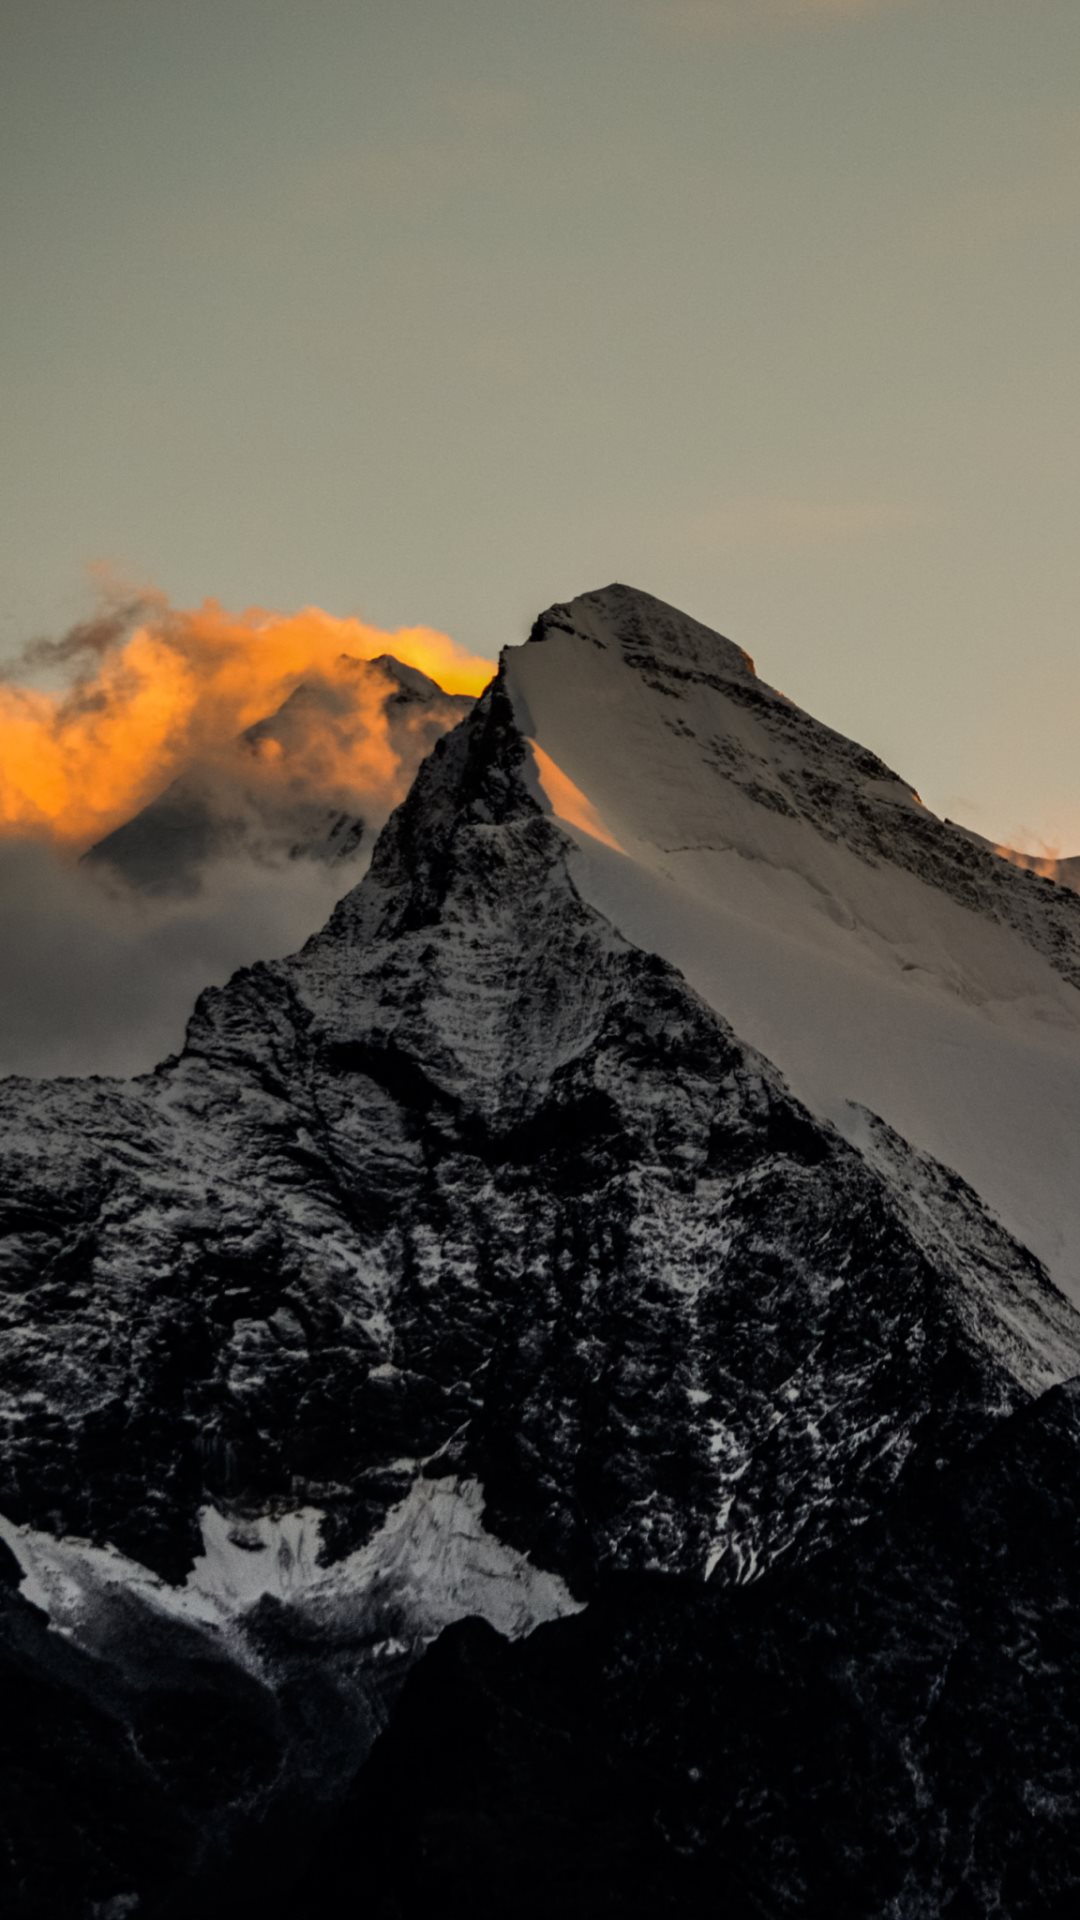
431,1563
861,982
243,1560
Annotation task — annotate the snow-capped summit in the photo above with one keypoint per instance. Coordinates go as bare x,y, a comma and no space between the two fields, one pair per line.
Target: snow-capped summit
873,952
640,626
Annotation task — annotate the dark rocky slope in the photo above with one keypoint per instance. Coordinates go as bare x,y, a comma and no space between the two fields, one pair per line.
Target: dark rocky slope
891,1729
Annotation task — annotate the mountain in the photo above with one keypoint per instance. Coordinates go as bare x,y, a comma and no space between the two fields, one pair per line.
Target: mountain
872,952
310,781
483,1430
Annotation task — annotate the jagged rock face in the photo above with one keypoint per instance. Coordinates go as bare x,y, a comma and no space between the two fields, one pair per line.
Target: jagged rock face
474,1193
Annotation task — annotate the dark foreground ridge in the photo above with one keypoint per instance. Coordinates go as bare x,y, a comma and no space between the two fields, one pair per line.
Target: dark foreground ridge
867,1735
475,1443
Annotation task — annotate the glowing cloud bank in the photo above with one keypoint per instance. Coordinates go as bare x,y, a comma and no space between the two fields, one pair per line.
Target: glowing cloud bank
93,725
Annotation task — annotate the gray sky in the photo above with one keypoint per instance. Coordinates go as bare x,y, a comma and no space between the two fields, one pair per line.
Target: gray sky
441,310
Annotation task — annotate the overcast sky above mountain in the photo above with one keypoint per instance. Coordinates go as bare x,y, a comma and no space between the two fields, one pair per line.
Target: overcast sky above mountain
438,313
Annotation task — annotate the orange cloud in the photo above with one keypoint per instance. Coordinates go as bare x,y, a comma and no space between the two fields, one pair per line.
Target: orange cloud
93,725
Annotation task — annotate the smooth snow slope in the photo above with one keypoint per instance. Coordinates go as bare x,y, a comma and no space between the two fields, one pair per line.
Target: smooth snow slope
717,825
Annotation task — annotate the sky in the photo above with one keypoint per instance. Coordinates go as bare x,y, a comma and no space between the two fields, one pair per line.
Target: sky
433,312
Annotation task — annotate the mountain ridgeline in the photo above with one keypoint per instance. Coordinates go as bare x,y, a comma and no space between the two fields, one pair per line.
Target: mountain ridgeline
564,1392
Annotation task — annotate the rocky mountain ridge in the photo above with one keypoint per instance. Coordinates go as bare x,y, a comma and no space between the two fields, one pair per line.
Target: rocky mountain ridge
470,1264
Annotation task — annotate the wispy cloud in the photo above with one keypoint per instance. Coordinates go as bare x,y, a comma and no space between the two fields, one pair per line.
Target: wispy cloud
786,524
97,979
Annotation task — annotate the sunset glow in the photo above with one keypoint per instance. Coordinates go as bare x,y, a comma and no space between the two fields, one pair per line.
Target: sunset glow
567,802
1047,863
94,725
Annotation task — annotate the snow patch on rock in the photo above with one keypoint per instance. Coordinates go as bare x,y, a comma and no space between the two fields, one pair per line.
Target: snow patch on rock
431,1563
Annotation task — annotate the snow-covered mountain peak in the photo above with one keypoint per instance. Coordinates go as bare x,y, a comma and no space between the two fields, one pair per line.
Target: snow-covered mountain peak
876,953
647,631
665,723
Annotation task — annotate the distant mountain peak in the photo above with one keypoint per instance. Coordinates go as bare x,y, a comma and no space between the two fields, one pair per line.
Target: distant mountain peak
302,782
411,680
